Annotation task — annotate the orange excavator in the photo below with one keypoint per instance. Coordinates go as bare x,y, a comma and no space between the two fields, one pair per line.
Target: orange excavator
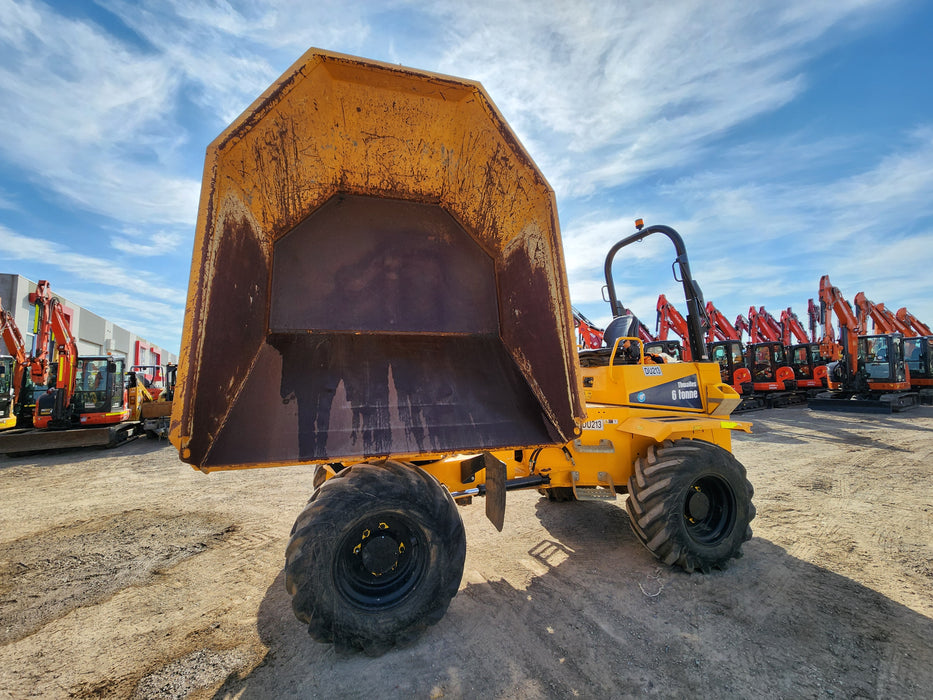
12,371
51,324
86,390
766,356
670,319
86,401
589,337
868,373
804,356
918,350
725,347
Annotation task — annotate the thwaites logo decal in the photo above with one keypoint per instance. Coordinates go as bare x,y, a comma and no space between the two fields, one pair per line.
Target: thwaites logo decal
682,393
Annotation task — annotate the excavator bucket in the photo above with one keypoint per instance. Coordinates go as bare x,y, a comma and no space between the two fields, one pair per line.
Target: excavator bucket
377,272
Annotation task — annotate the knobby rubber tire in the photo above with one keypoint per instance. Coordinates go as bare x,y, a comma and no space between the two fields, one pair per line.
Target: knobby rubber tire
690,504
369,509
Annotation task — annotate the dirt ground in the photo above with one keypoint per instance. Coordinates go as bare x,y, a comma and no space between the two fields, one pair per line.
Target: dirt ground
124,573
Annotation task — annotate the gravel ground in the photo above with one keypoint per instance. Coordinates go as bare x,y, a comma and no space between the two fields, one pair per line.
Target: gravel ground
124,573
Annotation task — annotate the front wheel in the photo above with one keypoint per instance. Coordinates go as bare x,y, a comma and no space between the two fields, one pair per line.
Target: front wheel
690,504
375,557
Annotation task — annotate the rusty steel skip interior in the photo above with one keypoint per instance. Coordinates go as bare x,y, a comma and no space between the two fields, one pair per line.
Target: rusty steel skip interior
377,272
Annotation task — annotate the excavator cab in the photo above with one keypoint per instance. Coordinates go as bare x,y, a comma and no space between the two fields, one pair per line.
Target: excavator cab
804,359
769,367
882,358
671,348
918,353
731,359
99,397
99,385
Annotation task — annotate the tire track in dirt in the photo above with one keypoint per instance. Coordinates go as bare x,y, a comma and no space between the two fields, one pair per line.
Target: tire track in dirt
47,575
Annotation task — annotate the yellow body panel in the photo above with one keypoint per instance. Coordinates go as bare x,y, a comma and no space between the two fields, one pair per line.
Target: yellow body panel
631,415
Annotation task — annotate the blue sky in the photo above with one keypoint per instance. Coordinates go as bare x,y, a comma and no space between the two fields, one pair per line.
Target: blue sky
784,140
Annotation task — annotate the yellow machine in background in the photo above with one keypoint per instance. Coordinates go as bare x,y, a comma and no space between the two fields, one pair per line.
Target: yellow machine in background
378,287
7,417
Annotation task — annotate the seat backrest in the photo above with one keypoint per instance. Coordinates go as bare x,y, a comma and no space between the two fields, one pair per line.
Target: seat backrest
624,326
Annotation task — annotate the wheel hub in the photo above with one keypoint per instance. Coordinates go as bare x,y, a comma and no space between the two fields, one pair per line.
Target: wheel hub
380,561
380,554
709,510
698,504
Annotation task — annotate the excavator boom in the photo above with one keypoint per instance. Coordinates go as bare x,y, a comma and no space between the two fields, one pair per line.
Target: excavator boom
917,327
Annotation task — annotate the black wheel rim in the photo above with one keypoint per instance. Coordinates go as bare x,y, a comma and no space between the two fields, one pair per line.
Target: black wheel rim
379,561
709,510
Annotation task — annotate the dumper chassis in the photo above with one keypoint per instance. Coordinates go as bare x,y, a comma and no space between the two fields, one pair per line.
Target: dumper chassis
378,288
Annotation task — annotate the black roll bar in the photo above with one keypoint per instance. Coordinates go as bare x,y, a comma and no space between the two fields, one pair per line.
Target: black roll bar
696,310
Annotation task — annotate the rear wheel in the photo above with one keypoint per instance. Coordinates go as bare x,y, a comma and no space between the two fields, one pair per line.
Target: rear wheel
690,504
375,557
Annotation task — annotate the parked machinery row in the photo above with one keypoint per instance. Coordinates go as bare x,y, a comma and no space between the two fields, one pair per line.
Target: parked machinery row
889,369
52,397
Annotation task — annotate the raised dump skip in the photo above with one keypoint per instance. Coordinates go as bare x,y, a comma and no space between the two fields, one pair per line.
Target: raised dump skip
377,272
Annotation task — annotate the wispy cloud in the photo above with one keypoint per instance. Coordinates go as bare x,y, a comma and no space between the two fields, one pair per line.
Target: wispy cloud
87,118
145,243
630,108
221,51
133,296
766,237
633,88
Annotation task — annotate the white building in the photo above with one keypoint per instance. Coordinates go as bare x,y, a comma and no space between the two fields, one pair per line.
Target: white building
93,334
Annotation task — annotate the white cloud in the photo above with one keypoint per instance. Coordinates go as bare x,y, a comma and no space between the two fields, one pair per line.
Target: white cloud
766,236
222,50
88,119
144,244
632,88
139,295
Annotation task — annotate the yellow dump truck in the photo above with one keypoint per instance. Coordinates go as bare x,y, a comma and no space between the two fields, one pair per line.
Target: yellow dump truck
378,288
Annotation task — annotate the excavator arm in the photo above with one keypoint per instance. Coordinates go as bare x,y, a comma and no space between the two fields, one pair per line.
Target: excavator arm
670,319
51,322
588,335
917,327
768,327
719,327
831,299
741,326
813,311
791,328
883,321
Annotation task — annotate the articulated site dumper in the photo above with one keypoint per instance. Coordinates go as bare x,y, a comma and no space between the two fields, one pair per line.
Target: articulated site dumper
378,288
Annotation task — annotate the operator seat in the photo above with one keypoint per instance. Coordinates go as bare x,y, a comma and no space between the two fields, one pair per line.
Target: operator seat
624,326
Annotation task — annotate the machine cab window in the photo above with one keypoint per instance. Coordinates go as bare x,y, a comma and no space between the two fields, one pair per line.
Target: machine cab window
99,384
876,352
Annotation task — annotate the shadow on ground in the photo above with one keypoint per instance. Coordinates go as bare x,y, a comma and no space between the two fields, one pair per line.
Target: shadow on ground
603,619
799,425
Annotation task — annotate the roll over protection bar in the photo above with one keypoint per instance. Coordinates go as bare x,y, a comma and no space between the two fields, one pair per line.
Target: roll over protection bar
697,322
